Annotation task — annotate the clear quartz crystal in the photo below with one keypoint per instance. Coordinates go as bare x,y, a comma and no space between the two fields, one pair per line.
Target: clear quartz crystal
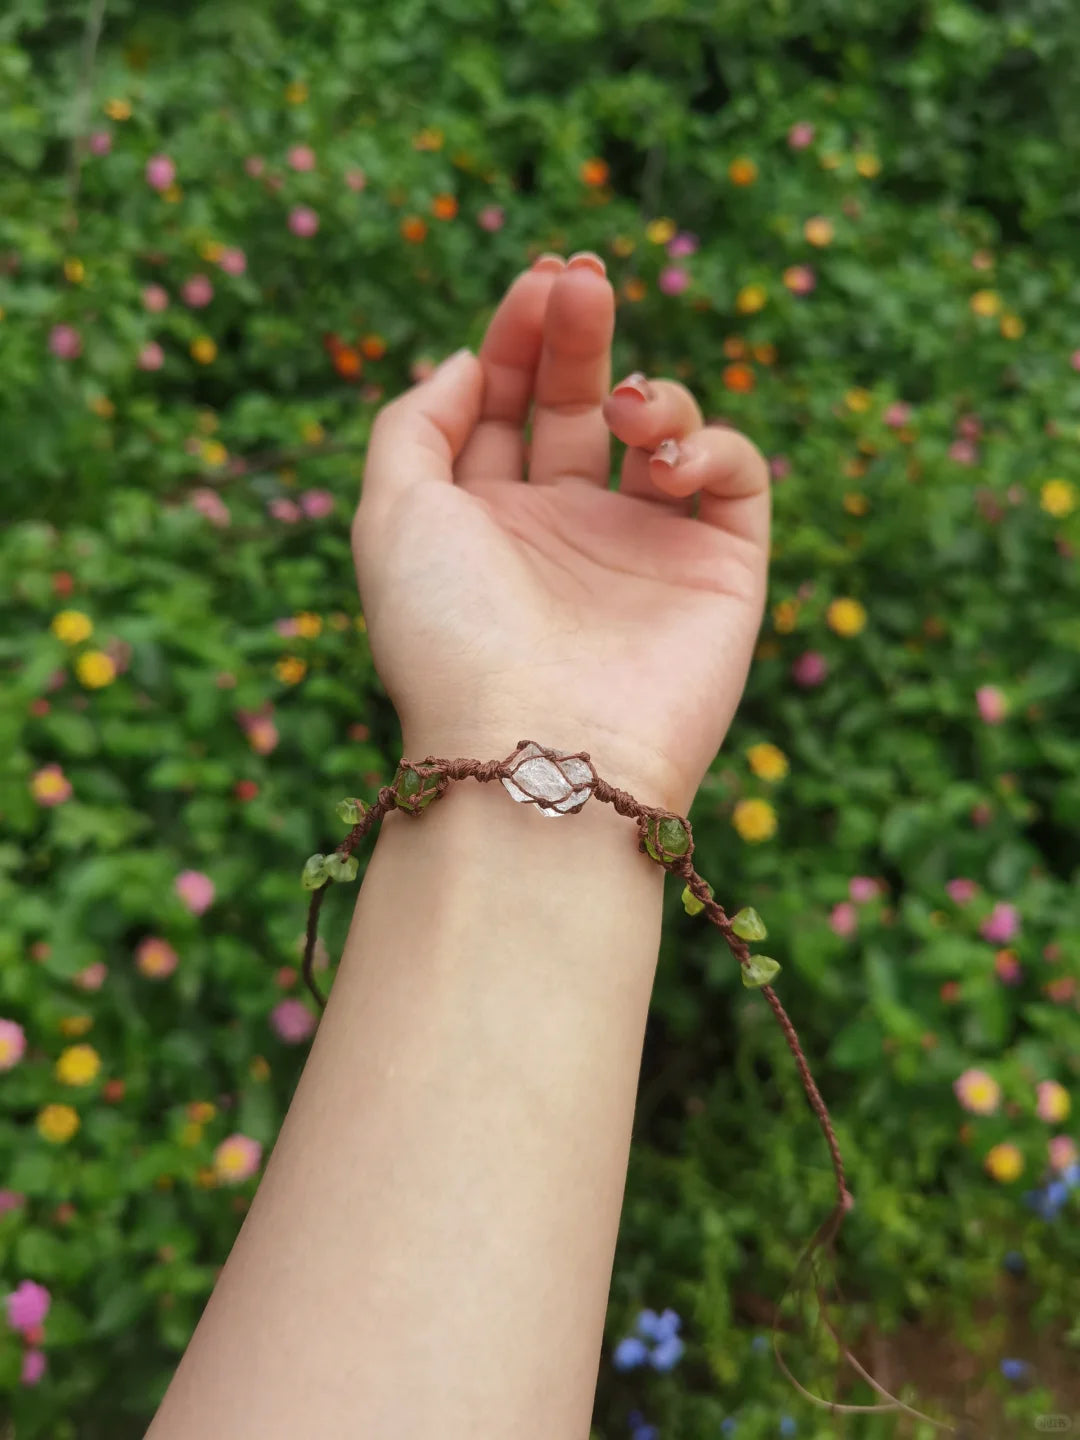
537,778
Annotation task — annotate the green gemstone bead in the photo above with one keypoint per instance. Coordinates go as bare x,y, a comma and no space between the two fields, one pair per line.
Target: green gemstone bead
759,970
748,924
667,835
413,791
342,867
352,811
314,876
691,904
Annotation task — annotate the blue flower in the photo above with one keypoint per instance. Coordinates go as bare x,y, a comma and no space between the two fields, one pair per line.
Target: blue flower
787,1425
667,1353
635,1419
628,1353
646,1432
759,1344
646,1326
1014,1262
1015,1369
1071,1174
727,1427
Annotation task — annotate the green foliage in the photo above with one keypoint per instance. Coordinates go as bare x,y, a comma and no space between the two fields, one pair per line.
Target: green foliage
187,510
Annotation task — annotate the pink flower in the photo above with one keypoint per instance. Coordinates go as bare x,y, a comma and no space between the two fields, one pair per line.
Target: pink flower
100,142
285,510
155,958
862,888
492,217
196,890
982,814
287,627
28,1305
801,135
33,1366
779,467
302,157
155,298
1063,1152
303,221
683,244
151,356
237,1159
800,279
961,891
197,291
233,261
316,503
292,1021
93,977
1074,360
357,180
1053,1103
978,1092
897,415
10,1200
963,452
254,165
969,426
1007,967
262,735
12,1044
810,669
673,280
209,503
50,786
1001,925
65,342
160,172
993,706
844,919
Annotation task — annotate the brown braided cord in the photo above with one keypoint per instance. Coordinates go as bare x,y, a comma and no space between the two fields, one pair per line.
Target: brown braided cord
429,780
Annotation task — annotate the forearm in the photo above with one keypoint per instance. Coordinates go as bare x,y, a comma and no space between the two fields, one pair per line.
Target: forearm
430,1250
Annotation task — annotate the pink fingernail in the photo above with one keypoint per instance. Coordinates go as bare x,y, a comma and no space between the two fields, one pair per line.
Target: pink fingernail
549,261
635,385
587,258
667,453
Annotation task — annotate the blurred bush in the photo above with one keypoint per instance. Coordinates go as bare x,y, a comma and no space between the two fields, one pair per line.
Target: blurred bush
848,226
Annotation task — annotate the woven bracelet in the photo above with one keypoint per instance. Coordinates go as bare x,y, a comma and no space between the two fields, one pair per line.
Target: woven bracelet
558,783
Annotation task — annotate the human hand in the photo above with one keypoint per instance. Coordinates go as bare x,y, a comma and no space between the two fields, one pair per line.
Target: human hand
503,605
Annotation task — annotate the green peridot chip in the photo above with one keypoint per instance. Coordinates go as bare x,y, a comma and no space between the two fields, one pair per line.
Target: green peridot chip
341,867
352,811
759,970
691,904
748,925
314,876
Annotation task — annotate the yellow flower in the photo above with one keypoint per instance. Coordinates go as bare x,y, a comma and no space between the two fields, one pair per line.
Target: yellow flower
430,138
75,1025
858,400
659,232
95,669
755,820
1005,1162
768,762
819,230
1057,498
173,195
986,302
191,1134
214,453
78,1065
751,298
201,1111
103,406
296,92
290,670
867,165
259,1069
204,350
118,109
205,1178
831,160
313,433
856,504
846,617
57,1123
207,422
785,615
72,626
1012,327
74,271
361,624
622,246
339,620
308,626
212,251
742,171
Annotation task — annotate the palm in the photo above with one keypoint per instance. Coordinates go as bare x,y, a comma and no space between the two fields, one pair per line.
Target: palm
619,621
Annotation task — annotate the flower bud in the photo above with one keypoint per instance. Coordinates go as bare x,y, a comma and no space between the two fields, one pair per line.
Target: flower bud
748,924
352,811
341,867
759,970
314,876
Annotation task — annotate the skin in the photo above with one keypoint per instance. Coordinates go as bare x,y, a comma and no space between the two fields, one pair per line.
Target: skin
430,1249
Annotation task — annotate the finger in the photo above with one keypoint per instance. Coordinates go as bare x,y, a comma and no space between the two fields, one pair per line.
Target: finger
570,439
510,356
420,434
729,473
642,412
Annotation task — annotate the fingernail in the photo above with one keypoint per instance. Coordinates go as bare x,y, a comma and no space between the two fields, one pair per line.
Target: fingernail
667,453
549,261
582,258
450,359
635,385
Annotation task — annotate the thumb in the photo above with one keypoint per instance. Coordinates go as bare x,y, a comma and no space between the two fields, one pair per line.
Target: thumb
425,429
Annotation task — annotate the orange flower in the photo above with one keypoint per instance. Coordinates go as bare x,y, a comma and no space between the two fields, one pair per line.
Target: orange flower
634,290
347,362
742,171
373,346
739,377
595,172
414,229
444,207
765,354
428,139
735,347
